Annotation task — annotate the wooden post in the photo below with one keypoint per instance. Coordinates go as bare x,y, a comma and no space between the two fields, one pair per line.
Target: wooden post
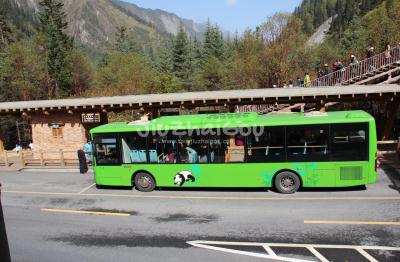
320,106
6,159
22,158
41,157
302,108
62,160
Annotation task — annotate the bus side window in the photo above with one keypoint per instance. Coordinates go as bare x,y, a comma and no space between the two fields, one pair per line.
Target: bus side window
349,142
235,148
217,146
307,143
266,144
162,148
133,148
106,150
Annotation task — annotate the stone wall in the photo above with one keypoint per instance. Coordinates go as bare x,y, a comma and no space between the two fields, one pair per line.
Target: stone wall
72,136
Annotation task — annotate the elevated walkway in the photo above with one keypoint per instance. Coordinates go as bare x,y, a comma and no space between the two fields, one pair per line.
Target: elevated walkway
374,70
229,98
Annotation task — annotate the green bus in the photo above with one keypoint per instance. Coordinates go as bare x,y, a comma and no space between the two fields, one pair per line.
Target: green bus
239,150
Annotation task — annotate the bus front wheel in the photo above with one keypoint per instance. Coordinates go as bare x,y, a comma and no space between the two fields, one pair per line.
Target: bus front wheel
144,182
287,182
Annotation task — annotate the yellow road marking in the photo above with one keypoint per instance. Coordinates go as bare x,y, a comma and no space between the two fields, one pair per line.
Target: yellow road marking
86,188
204,197
383,223
84,212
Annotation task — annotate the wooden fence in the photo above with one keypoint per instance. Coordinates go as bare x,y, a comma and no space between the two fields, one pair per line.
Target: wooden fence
69,158
40,158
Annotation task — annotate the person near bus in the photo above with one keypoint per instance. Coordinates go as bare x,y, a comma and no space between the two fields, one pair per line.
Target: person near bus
83,167
87,148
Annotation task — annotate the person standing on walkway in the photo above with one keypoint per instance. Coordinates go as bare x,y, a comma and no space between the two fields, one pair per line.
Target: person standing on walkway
370,55
87,148
307,80
83,167
353,66
388,55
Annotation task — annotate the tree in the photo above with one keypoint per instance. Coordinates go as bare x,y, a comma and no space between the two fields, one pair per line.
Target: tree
23,73
247,60
124,74
163,61
284,48
214,42
81,69
125,43
53,25
5,32
211,76
181,60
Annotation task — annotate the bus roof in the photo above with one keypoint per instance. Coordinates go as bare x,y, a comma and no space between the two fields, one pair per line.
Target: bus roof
183,122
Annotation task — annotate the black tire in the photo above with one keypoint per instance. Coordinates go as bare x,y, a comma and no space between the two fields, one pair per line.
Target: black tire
287,182
144,182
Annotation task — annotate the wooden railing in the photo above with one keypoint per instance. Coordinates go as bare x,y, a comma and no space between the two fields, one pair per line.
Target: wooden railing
355,72
389,147
39,158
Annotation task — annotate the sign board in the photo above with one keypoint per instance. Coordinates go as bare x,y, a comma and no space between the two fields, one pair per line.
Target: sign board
91,118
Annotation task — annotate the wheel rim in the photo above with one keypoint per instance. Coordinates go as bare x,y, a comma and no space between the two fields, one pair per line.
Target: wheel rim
287,183
145,182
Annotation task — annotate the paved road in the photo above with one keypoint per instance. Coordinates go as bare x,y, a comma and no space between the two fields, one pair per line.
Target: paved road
157,226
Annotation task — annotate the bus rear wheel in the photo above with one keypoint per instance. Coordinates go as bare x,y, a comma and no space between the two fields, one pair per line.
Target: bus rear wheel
144,182
287,182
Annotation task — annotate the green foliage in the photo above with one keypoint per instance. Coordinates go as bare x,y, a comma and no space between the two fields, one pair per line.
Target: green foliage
23,73
181,57
124,42
81,70
53,25
47,65
315,12
124,74
214,42
5,32
211,75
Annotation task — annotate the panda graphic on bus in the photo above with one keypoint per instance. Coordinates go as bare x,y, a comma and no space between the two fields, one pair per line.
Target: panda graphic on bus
182,177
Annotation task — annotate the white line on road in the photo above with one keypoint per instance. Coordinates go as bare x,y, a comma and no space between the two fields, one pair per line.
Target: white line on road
269,250
295,245
340,222
366,255
246,253
317,254
272,255
86,188
370,198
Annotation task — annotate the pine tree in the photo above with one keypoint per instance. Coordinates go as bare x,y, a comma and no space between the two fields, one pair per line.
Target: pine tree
53,25
214,42
181,64
125,43
164,57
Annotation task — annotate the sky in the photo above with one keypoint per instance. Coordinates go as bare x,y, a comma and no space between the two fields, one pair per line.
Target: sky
231,15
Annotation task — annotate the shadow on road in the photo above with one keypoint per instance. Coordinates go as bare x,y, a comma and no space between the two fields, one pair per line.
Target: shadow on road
333,189
393,174
239,189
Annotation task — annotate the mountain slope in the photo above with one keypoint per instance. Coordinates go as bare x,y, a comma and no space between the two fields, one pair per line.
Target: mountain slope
162,20
93,23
